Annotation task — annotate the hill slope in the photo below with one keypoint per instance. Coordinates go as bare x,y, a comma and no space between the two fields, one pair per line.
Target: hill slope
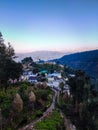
87,61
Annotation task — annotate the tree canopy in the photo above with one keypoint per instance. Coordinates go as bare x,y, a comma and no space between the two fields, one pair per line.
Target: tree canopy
27,60
8,67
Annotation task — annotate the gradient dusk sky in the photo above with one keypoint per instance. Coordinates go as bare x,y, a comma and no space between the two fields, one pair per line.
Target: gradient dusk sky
57,25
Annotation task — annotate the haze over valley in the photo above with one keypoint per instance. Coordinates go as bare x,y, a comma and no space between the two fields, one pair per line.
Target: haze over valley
42,55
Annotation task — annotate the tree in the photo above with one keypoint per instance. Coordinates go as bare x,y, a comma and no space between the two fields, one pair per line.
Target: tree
61,85
27,60
80,89
13,70
52,69
8,67
6,53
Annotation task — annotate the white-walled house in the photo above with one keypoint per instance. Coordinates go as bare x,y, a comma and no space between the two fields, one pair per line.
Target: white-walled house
30,77
50,79
55,74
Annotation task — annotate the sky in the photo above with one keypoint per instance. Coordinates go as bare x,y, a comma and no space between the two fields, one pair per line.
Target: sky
56,25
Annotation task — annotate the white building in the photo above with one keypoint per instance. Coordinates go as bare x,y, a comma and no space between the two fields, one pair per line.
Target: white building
55,74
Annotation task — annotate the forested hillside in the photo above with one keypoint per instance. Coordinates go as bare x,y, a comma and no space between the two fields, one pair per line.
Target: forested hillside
87,61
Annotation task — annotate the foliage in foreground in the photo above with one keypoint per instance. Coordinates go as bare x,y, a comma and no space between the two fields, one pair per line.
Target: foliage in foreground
30,111
82,106
53,122
9,69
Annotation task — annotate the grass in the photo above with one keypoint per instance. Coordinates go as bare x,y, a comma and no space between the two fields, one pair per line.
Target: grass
25,116
53,122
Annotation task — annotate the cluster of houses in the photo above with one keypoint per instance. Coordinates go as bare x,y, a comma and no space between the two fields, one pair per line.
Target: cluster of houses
34,78
53,79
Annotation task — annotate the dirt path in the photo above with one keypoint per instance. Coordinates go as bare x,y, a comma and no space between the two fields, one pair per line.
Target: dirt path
45,114
67,122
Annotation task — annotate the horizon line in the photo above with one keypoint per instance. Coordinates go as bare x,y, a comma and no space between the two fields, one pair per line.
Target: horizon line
60,51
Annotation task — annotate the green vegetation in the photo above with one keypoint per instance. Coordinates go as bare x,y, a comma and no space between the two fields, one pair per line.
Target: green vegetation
53,122
82,106
87,61
9,69
61,85
36,67
29,111
21,103
27,60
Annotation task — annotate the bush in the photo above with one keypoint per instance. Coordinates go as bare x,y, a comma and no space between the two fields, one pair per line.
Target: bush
5,103
53,122
39,113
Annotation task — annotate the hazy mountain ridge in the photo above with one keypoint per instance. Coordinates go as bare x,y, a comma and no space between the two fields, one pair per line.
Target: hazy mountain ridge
43,55
87,61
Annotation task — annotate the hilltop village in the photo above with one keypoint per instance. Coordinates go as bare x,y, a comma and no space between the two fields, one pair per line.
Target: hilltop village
45,95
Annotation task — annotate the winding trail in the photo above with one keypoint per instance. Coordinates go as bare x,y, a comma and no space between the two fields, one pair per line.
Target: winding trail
67,122
46,113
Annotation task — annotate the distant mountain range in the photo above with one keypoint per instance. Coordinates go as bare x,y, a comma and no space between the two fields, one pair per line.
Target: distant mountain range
87,61
43,55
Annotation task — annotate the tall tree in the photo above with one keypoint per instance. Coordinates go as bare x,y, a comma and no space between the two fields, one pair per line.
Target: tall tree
13,70
8,67
61,85
27,60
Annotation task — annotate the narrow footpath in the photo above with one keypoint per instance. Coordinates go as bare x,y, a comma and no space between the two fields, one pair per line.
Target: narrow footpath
45,114
67,122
